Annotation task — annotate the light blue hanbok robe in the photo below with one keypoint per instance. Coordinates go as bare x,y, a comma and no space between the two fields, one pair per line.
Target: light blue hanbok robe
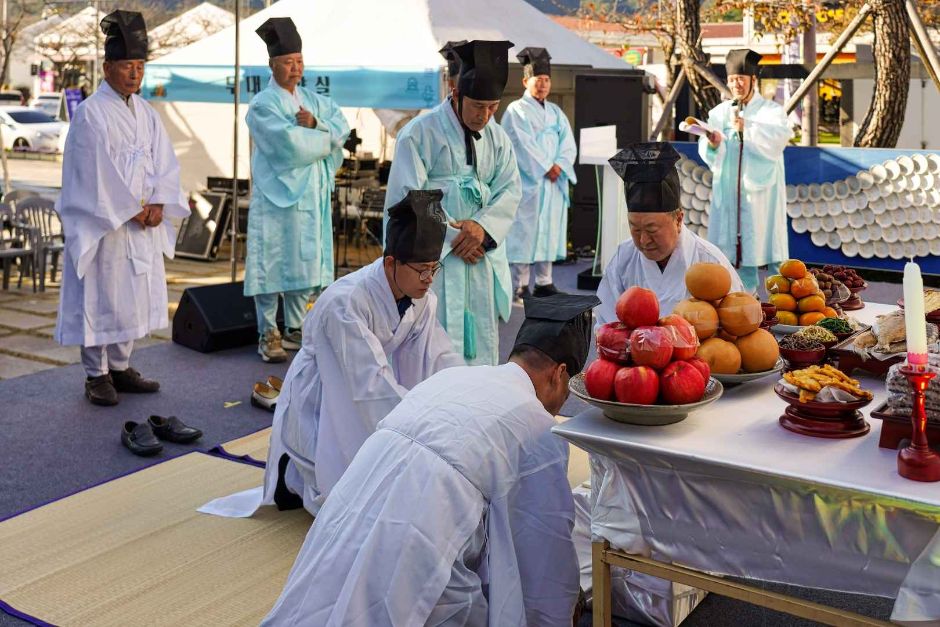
763,187
290,223
541,137
430,154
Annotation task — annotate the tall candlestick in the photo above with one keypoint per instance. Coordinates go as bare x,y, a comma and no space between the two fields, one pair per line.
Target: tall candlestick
914,318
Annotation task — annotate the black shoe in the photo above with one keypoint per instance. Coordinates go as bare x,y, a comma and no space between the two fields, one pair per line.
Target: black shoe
545,290
172,429
520,295
100,390
284,498
139,438
130,381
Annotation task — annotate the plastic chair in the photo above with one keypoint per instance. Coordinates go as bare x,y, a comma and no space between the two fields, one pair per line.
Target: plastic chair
16,245
39,214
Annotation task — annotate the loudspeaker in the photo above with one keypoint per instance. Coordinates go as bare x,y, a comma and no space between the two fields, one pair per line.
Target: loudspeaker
601,100
217,317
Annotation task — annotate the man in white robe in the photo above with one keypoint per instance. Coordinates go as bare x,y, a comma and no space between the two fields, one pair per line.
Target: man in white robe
454,147
457,511
297,145
660,249
758,235
372,336
120,184
545,150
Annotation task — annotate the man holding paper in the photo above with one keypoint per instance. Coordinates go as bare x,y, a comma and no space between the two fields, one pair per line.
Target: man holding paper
744,149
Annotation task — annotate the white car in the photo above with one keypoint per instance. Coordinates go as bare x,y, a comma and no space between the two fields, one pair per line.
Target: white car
49,103
27,129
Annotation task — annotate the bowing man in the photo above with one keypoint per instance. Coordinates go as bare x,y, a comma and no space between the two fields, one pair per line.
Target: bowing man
297,145
660,248
120,183
545,150
758,236
455,147
457,510
372,336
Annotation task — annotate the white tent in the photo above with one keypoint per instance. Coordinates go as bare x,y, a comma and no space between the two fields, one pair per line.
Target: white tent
188,27
374,36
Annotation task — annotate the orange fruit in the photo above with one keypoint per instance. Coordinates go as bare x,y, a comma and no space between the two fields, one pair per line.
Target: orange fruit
787,317
708,281
811,303
793,269
783,302
811,317
759,351
722,357
740,313
804,287
701,314
830,312
777,284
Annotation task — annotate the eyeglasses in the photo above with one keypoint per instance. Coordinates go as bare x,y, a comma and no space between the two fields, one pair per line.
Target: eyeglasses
426,274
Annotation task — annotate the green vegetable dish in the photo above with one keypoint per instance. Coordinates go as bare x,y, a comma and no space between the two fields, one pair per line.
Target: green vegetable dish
835,325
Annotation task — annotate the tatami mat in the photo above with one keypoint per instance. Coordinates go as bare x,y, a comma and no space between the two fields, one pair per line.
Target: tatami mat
255,447
134,551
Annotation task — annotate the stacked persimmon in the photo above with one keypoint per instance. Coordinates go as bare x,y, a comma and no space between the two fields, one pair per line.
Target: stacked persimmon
796,294
727,323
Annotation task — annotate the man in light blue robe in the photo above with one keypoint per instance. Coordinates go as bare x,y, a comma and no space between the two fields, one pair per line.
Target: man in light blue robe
758,236
297,138
455,148
545,150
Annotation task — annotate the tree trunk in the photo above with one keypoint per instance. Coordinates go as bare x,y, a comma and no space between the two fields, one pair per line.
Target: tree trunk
688,33
882,125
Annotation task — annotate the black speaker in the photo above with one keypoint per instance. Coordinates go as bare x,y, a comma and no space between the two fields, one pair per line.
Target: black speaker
620,100
217,317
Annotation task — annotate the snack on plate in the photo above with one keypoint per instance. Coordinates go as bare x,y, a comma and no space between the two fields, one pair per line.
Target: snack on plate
835,325
810,381
818,333
900,400
796,342
887,336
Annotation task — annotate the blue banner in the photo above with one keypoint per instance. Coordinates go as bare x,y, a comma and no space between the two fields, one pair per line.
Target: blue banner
73,97
349,87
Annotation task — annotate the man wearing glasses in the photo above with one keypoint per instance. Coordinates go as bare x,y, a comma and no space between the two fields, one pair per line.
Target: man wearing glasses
748,219
372,336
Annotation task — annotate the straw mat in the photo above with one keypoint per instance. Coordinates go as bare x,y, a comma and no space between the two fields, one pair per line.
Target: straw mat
134,551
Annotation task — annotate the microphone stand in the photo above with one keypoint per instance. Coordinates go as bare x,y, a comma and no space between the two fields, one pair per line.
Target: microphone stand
738,252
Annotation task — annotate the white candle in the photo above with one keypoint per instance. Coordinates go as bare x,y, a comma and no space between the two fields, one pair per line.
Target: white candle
914,320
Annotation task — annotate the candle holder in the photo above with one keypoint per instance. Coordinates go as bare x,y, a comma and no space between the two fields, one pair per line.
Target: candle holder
917,462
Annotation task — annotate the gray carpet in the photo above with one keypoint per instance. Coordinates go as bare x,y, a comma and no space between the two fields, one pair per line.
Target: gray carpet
55,443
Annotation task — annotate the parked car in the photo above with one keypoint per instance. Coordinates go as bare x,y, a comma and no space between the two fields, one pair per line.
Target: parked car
48,103
10,97
30,129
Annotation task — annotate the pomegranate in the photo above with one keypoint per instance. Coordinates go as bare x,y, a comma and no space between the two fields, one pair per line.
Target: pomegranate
638,385
599,379
702,366
638,307
681,383
613,342
651,346
684,337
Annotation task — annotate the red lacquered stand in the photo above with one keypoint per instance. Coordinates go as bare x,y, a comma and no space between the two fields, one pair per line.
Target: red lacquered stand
917,462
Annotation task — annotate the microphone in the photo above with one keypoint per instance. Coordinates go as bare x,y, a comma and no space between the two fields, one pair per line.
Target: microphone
734,113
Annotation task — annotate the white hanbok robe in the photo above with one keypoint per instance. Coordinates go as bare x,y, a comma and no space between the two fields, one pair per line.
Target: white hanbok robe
358,359
629,267
430,154
456,511
117,158
541,137
763,185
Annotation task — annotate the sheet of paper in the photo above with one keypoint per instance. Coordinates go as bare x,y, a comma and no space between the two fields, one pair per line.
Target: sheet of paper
694,126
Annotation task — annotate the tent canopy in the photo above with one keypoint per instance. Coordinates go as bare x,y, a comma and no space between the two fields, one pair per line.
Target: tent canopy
366,53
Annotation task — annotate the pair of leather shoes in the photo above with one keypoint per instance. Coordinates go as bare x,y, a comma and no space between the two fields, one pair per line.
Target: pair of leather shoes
100,390
265,394
133,382
144,438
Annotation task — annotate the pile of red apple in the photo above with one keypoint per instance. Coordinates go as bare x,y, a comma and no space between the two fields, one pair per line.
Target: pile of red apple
645,359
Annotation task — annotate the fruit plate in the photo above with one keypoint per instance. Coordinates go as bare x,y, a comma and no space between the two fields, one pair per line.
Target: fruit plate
744,377
648,415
